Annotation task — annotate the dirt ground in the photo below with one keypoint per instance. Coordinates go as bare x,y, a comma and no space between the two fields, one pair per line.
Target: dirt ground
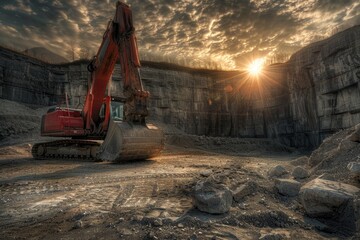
150,199
153,199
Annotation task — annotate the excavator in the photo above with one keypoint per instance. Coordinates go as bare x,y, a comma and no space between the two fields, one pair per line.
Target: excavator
111,128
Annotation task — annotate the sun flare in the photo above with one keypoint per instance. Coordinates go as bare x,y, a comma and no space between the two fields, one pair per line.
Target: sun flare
256,66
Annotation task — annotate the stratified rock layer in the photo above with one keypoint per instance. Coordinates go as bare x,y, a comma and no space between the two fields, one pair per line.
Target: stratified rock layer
323,80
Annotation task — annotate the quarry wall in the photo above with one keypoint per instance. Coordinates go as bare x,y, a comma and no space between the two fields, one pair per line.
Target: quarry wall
324,87
314,94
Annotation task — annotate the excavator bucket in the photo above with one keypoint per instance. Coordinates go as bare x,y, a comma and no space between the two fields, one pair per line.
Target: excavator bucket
128,141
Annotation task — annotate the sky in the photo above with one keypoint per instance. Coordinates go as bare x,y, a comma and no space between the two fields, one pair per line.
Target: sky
225,34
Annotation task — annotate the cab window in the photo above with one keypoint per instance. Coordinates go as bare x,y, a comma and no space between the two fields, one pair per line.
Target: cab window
117,111
102,112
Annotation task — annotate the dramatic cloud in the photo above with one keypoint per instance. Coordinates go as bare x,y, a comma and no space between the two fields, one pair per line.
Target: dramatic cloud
203,33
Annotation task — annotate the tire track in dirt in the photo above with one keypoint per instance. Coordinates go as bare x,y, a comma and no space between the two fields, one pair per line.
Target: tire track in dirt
31,187
31,201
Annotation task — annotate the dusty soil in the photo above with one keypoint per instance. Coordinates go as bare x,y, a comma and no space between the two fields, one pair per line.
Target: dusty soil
152,199
19,123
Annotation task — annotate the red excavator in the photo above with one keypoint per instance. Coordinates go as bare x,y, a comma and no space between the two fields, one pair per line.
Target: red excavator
107,128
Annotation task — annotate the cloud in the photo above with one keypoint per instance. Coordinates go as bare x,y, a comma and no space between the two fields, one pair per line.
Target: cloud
205,32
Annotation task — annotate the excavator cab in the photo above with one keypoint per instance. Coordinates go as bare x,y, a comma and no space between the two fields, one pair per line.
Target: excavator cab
117,110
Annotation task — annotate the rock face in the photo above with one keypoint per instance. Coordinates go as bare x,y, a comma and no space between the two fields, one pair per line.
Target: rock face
212,198
330,199
324,77
45,55
287,187
311,96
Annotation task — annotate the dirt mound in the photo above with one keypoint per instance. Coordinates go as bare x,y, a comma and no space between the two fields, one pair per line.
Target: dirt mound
18,121
19,150
14,108
232,146
334,154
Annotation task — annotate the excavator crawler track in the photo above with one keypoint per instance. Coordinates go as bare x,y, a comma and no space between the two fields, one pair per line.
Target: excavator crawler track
65,149
124,141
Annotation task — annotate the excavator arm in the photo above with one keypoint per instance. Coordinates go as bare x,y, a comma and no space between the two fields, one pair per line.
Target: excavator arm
119,42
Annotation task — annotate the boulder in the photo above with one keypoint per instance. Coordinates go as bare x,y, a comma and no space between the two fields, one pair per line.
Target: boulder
277,171
354,168
356,205
206,173
158,222
220,178
300,173
287,187
330,199
78,224
347,144
273,236
324,198
244,190
355,137
314,223
211,197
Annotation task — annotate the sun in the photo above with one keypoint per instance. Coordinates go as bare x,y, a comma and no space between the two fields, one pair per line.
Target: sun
255,68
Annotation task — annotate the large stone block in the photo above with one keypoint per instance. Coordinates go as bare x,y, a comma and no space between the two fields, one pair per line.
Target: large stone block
277,171
211,197
244,190
354,168
355,136
334,200
300,173
287,187
324,198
